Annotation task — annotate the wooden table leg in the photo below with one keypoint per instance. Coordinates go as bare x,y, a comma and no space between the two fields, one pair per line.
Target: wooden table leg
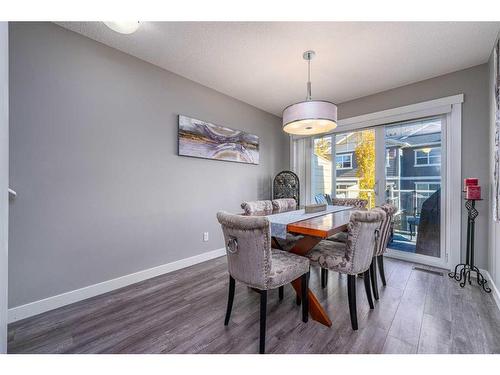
315,309
302,247
275,244
305,244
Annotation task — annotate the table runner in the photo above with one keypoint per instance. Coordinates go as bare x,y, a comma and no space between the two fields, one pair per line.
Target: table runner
280,221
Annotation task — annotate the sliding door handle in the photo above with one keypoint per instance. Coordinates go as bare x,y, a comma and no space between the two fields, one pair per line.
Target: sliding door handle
12,193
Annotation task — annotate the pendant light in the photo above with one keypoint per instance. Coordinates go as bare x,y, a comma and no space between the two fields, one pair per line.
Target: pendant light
311,116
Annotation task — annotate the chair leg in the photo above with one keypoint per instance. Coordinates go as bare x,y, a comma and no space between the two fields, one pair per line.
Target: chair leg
304,286
351,294
366,279
373,277
229,300
324,277
380,261
281,291
263,312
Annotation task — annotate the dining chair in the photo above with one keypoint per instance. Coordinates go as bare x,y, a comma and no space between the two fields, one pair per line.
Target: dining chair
386,229
286,244
267,207
352,257
284,204
278,205
262,207
252,261
378,256
357,203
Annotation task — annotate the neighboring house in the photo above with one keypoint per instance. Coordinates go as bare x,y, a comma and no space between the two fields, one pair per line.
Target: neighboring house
322,175
415,170
413,166
347,180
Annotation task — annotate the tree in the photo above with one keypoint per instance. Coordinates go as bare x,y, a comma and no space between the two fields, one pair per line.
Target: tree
323,148
365,158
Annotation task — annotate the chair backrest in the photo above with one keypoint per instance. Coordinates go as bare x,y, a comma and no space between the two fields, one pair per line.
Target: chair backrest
385,227
356,202
320,198
362,238
258,207
284,204
248,247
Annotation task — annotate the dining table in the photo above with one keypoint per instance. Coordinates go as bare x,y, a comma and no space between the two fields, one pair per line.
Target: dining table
312,230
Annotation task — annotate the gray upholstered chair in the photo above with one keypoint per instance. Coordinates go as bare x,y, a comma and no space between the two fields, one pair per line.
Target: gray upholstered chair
252,261
354,256
378,257
357,203
385,232
264,207
284,204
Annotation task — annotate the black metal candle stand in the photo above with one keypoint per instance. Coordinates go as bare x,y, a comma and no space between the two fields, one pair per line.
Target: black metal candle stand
463,270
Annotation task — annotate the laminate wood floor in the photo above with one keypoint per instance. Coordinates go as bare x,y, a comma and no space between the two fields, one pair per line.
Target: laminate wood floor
183,312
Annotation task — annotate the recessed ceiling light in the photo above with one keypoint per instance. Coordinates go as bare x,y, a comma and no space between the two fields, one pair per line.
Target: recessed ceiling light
123,27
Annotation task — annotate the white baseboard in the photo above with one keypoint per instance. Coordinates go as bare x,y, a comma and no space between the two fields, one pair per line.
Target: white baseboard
494,289
50,303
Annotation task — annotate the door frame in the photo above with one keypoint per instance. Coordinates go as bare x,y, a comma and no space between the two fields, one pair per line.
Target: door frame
451,108
4,180
443,260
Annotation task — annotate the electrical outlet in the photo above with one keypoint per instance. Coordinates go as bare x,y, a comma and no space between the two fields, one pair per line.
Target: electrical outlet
205,236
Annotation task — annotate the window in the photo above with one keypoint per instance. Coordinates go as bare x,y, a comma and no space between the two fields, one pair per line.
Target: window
343,161
428,156
343,190
322,166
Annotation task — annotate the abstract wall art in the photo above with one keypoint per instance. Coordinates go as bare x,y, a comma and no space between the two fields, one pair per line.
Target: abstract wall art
201,139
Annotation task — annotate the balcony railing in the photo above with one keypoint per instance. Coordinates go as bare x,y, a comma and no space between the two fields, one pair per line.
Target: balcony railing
408,203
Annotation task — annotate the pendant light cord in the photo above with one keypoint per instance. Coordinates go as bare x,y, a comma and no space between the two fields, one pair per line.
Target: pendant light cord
308,79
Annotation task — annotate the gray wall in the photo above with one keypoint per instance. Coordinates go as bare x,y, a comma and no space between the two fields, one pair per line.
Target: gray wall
473,83
4,179
101,191
494,233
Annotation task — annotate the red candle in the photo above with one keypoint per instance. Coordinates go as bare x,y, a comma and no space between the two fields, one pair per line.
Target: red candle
473,192
470,182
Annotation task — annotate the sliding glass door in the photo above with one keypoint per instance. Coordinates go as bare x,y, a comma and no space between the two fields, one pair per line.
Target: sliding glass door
400,163
413,179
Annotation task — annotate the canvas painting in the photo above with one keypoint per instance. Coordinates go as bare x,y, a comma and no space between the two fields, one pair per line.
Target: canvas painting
202,139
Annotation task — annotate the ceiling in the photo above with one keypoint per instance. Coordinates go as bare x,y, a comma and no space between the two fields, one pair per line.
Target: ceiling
261,63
